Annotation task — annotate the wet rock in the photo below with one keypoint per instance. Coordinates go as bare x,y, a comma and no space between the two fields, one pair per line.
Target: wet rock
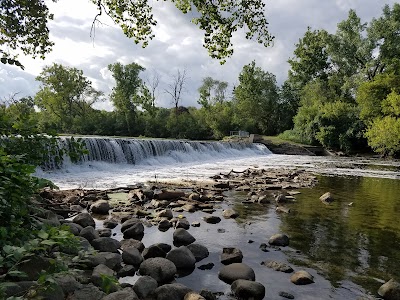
169,195
85,220
144,286
208,266
182,237
111,260
279,240
128,223
166,213
390,290
264,247
100,207
106,244
286,295
326,198
153,251
87,292
277,266
183,224
132,243
230,214
231,255
173,291
110,224
104,232
135,230
164,225
208,295
127,270
161,269
89,233
132,256
165,247
212,219
98,273
302,278
74,228
195,224
199,251
126,294
182,257
67,283
246,289
235,271
193,296
34,267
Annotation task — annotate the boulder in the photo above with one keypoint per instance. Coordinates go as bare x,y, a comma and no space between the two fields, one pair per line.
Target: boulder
212,219
182,257
111,260
199,251
164,225
173,291
134,231
280,198
104,232
166,213
195,224
277,266
161,269
85,220
208,295
169,195
189,207
98,273
132,243
87,292
126,270
194,196
165,247
153,251
390,290
34,266
128,223
100,207
144,286
67,283
74,228
231,255
279,240
106,244
246,289
230,214
125,294
183,223
235,271
326,198
182,237
302,278
132,256
110,224
89,233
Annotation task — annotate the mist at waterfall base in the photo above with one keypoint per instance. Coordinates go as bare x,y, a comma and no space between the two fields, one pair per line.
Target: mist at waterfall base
115,162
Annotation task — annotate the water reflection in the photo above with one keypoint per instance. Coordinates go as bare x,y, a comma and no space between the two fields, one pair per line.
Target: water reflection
348,242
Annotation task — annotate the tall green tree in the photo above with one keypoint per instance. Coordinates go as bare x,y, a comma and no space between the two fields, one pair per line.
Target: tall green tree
65,94
256,99
212,91
25,24
129,92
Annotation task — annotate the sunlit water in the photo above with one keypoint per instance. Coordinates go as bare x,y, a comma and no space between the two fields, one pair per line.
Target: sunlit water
351,250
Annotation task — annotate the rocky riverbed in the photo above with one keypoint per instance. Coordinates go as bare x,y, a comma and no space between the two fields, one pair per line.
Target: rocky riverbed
162,241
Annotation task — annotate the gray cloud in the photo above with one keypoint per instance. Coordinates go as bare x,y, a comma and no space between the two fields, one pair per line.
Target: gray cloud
178,45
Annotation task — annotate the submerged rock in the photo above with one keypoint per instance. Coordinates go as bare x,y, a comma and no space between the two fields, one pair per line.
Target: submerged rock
235,271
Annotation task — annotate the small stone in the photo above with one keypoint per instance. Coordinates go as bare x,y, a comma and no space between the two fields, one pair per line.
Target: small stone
208,266
279,240
286,295
221,230
263,247
302,278
277,266
231,255
326,198
195,224
212,219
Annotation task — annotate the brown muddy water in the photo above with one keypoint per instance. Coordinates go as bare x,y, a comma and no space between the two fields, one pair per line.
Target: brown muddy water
351,246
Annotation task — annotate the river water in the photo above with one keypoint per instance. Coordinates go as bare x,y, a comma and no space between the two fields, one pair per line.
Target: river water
351,246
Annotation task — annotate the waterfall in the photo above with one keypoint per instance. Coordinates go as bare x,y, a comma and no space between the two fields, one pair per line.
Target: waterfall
136,151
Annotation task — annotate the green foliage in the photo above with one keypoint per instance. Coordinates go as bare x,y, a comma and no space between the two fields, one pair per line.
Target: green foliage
108,283
212,91
384,135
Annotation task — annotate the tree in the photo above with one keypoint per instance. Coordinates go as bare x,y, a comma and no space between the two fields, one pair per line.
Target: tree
65,94
176,87
24,24
129,92
256,99
212,91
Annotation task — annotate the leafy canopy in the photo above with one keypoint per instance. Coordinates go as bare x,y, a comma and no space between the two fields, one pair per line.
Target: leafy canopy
24,24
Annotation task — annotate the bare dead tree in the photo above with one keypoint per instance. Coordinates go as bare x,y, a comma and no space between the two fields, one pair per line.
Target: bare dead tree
153,83
176,88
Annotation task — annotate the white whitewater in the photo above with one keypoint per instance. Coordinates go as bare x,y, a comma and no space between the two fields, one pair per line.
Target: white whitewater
115,162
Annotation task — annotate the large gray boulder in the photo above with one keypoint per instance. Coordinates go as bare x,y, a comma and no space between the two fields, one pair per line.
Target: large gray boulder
132,256
124,294
100,207
74,228
128,243
161,269
173,291
182,237
153,251
182,257
89,233
165,213
236,271
231,255
199,251
111,260
85,220
106,244
128,223
136,230
390,290
98,272
246,289
87,292
144,286
67,283
279,239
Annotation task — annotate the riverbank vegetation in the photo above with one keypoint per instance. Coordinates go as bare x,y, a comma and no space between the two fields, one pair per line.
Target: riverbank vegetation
342,93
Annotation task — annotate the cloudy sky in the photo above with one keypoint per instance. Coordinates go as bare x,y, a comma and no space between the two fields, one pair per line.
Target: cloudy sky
177,45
